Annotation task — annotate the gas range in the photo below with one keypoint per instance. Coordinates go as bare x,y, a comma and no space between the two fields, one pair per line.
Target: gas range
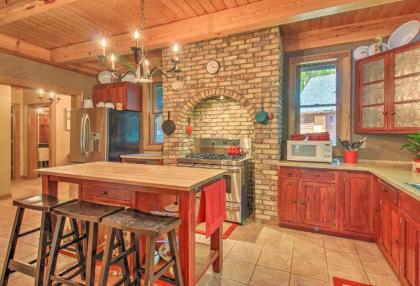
212,153
214,159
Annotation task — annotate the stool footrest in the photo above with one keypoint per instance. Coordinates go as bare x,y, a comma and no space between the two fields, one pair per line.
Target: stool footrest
22,267
122,255
29,232
70,269
164,268
67,244
65,282
121,281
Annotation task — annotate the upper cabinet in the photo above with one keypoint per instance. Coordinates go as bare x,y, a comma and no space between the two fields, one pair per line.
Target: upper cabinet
124,93
388,92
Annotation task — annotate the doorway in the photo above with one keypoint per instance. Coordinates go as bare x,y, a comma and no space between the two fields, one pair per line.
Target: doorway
39,137
15,142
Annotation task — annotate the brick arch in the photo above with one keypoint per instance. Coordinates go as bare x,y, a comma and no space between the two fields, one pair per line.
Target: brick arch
196,99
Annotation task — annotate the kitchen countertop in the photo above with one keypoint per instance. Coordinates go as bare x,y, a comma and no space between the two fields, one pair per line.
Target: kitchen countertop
397,175
143,156
155,176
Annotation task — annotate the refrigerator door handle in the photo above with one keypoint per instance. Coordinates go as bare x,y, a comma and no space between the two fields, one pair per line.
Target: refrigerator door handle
82,134
88,135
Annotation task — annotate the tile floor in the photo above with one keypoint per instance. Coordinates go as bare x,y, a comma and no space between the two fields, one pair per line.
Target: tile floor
254,254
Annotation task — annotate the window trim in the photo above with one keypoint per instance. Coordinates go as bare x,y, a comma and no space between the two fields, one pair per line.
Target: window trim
148,128
343,66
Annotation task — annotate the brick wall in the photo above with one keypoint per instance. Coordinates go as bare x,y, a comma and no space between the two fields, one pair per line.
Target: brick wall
251,68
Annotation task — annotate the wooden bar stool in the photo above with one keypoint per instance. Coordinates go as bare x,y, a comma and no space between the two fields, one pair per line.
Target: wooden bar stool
90,214
139,224
45,204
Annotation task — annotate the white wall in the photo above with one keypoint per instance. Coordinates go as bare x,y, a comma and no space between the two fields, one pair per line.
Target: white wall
62,135
5,133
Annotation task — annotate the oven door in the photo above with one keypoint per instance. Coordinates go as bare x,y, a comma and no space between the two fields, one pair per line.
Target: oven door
233,181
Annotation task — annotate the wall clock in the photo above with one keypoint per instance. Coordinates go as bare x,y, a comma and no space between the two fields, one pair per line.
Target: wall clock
213,67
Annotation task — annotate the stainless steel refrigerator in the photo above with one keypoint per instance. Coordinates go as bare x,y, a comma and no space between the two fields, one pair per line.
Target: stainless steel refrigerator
103,134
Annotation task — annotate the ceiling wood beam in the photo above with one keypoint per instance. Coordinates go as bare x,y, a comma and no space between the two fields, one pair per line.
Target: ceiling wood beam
21,48
266,13
25,8
345,34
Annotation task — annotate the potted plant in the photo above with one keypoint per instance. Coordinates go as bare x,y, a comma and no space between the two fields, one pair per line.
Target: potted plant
413,146
351,150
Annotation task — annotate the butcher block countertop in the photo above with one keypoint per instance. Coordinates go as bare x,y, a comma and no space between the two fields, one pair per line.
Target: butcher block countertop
397,175
155,176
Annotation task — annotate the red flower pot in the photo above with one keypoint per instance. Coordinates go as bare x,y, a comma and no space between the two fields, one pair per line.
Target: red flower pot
417,164
350,157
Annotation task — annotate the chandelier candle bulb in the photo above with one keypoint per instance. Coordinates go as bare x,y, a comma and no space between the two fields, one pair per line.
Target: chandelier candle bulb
136,37
103,45
113,61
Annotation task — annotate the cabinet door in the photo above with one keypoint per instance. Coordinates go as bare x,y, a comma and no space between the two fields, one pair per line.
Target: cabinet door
405,84
357,203
410,237
390,226
288,199
371,91
317,203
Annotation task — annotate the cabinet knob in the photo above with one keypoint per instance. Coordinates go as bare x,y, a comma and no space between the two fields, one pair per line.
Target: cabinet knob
393,113
385,113
104,193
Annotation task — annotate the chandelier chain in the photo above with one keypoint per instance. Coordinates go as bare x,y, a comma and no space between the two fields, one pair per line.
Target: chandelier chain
142,23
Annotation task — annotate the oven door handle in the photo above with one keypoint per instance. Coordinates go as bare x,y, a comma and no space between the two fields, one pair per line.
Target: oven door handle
232,208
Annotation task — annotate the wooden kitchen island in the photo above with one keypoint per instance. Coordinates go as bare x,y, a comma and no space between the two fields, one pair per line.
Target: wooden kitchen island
146,188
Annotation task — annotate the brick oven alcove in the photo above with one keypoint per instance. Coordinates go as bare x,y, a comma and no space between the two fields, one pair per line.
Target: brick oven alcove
250,73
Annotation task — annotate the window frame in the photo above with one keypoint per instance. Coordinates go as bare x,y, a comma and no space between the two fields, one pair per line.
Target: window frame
298,105
148,118
343,100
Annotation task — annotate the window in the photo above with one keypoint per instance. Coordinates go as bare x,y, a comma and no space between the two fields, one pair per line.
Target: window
319,94
156,114
317,98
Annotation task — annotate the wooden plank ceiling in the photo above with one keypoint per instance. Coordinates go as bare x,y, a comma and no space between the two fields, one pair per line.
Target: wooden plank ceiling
66,32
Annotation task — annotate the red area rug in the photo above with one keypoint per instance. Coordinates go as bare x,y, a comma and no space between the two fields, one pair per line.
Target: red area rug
345,282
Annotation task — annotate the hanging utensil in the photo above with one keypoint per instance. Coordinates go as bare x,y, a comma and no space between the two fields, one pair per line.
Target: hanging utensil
168,126
189,128
262,116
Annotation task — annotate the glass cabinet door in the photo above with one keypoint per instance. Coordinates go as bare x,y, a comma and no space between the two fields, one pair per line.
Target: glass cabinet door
405,108
372,95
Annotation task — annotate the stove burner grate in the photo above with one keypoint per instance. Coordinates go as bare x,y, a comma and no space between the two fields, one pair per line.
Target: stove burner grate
211,156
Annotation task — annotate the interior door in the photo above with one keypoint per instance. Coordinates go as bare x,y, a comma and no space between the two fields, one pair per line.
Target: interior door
317,203
405,83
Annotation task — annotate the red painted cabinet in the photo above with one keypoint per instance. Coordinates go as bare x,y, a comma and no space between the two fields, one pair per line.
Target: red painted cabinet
357,202
317,204
288,200
307,198
125,93
387,98
390,233
410,252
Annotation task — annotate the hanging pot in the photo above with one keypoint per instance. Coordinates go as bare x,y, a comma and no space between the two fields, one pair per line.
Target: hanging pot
189,128
262,116
168,126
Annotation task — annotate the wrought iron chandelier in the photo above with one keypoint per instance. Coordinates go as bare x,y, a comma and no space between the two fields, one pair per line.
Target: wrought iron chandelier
141,74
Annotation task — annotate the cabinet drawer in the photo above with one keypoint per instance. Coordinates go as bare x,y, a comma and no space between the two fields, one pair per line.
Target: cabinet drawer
389,193
289,173
104,195
318,175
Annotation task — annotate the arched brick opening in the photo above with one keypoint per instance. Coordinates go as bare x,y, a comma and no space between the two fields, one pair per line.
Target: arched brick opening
196,99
